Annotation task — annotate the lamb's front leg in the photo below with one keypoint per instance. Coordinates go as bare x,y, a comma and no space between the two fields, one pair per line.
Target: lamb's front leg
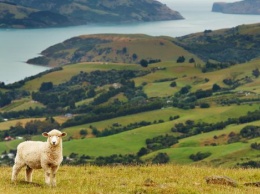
53,179
47,177
53,176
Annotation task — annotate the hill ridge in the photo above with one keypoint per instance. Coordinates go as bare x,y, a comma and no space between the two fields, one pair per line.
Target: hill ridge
240,7
47,13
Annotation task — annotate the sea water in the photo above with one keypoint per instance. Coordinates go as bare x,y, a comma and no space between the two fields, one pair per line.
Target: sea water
19,45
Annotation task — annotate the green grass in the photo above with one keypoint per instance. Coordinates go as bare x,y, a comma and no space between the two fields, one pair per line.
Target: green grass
7,145
22,104
68,71
131,141
223,154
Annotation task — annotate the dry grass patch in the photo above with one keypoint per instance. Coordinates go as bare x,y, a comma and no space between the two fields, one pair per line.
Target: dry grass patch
133,179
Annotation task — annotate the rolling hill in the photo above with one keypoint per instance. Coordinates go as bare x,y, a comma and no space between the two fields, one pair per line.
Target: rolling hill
226,46
171,107
47,13
239,7
233,45
115,48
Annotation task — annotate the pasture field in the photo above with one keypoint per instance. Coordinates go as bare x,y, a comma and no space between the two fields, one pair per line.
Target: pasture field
223,154
131,141
239,94
7,124
58,77
159,179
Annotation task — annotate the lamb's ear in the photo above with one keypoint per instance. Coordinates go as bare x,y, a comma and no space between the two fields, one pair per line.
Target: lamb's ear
63,134
45,134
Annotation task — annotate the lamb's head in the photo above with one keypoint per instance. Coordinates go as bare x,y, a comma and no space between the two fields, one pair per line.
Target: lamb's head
54,136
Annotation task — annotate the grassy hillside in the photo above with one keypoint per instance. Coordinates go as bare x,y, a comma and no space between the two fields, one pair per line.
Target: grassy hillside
239,7
18,16
7,124
116,48
234,45
131,141
133,179
172,105
80,12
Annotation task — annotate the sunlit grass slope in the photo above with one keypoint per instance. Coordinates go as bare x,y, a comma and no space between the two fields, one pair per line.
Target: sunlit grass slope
163,179
131,141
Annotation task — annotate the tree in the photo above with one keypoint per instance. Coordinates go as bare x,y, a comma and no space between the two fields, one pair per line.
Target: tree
45,86
161,158
72,104
173,84
191,60
142,151
185,90
250,131
144,63
124,50
216,88
199,156
204,105
256,73
83,132
4,99
181,59
91,93
134,56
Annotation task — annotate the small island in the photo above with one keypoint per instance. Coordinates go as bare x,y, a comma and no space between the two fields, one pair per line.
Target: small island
251,7
58,13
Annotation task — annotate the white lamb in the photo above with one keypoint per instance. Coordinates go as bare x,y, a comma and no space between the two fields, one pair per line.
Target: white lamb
37,155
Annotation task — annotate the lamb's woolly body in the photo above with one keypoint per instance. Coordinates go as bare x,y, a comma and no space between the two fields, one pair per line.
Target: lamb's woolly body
36,155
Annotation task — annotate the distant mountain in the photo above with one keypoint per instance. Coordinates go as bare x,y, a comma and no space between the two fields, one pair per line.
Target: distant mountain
49,13
241,7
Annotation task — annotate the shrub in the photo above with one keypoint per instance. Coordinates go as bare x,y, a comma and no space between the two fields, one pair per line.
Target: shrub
199,156
142,151
173,84
255,146
161,158
204,105
216,88
250,131
181,59
250,164
144,63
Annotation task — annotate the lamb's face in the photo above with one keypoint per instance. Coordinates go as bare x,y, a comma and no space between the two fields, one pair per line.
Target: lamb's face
54,137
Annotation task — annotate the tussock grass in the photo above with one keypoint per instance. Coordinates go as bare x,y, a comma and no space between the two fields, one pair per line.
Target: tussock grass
132,179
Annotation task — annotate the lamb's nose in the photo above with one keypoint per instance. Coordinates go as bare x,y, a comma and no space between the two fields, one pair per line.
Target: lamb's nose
53,143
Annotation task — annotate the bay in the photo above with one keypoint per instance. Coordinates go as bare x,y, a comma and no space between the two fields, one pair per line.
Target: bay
19,45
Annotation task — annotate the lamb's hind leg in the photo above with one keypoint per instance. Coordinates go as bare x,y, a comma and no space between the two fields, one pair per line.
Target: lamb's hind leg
16,169
28,175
